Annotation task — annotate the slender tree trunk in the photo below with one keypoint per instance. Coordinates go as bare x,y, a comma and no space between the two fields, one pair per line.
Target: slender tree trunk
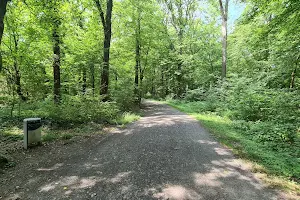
56,62
180,37
141,84
162,81
17,71
153,92
293,77
3,5
18,82
138,57
84,70
137,66
224,14
84,85
136,76
92,69
292,85
106,22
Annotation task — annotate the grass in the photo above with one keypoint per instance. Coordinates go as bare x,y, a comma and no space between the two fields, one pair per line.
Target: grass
279,169
127,118
12,131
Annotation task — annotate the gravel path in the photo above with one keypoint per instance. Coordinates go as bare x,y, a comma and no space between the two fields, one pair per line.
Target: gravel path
164,155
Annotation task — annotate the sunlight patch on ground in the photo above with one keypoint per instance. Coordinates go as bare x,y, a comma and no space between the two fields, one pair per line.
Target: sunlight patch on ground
222,151
227,168
119,177
71,183
168,120
91,165
207,142
56,166
177,192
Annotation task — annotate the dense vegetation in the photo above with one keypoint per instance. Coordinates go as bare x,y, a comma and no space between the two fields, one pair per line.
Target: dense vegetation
72,62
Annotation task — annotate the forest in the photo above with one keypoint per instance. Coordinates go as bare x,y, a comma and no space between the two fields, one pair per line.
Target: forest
73,62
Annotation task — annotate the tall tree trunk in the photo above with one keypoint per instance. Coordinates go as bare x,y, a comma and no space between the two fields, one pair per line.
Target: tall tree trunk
224,15
18,82
56,62
3,4
162,81
84,70
141,84
180,37
137,57
106,22
17,71
153,92
136,76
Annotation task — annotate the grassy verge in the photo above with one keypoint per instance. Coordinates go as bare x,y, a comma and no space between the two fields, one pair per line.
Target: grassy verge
278,168
11,131
14,132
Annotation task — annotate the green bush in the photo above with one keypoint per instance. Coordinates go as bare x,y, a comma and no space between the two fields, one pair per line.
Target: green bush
269,116
72,109
78,109
195,95
123,95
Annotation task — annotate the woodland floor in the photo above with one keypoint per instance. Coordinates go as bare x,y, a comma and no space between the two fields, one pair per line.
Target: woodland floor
164,155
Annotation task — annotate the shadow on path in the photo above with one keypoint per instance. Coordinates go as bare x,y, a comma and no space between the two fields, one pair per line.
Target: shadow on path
165,155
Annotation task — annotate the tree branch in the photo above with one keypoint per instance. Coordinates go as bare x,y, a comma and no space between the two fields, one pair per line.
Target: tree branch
224,12
98,4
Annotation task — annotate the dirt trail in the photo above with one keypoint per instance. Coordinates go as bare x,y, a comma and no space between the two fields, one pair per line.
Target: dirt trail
164,155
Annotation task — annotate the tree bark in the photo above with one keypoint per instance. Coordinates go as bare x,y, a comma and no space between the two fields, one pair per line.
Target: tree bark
138,58
92,71
293,77
84,85
180,37
224,15
3,5
17,71
106,22
18,82
56,62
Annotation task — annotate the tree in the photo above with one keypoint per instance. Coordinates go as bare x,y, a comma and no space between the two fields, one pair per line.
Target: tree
180,16
106,23
138,70
3,5
13,46
56,56
224,16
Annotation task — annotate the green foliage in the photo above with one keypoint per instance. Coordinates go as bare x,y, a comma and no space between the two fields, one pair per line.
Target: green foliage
127,118
248,99
124,96
195,95
50,137
179,58
79,109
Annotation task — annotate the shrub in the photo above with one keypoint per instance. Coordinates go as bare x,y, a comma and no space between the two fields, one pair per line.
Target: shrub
123,95
78,109
195,95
